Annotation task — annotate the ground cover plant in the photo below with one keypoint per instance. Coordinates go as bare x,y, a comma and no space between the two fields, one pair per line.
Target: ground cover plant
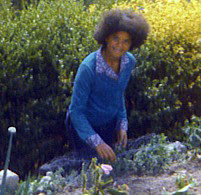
42,46
154,159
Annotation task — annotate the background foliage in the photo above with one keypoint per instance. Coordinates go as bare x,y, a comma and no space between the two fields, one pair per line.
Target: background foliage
166,85
42,44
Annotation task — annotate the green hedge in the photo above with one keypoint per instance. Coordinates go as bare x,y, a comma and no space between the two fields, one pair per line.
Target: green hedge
166,85
42,46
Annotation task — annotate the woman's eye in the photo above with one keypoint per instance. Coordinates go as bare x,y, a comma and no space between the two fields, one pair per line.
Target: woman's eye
127,41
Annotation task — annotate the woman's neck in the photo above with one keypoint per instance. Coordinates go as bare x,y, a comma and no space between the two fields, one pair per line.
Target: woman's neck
114,63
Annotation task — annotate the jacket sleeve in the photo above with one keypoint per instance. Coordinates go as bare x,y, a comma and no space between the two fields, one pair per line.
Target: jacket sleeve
81,91
122,122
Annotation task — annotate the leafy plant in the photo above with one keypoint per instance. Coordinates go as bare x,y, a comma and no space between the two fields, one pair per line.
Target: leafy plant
153,157
49,184
96,177
23,188
192,129
99,181
150,158
184,190
184,182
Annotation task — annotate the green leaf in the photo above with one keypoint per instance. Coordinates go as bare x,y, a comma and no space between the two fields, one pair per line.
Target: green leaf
116,192
183,190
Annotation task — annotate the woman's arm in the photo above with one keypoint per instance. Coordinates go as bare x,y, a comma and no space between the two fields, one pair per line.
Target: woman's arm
81,91
122,124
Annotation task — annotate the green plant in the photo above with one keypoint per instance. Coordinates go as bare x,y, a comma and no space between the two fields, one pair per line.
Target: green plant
184,190
183,182
192,129
121,190
96,174
49,184
149,159
23,188
152,158
99,181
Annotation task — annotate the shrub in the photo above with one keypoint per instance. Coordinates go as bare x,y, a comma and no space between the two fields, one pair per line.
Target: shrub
165,86
40,47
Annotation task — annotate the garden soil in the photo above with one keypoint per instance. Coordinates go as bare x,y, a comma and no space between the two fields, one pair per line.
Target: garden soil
163,184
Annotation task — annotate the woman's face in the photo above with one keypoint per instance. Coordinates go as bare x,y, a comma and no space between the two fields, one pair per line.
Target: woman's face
118,44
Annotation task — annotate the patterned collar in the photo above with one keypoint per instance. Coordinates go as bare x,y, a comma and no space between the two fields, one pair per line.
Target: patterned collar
103,67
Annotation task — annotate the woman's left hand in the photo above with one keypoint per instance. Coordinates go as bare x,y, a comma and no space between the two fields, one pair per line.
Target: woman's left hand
122,138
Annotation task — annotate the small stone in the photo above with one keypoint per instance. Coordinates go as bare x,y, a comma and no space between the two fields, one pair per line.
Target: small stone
49,173
178,146
12,180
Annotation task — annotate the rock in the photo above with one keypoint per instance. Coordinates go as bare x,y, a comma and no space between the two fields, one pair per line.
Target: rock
178,146
140,141
67,162
12,180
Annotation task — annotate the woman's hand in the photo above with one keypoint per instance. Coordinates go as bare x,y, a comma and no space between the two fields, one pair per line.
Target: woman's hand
106,152
122,138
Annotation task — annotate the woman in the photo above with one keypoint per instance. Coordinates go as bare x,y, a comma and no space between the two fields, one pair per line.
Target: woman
97,113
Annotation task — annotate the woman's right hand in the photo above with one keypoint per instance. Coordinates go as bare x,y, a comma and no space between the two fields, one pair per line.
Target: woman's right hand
106,152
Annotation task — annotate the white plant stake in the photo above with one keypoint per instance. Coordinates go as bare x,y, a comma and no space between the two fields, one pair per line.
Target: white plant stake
12,130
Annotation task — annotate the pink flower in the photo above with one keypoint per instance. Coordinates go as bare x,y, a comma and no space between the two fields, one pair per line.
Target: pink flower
106,168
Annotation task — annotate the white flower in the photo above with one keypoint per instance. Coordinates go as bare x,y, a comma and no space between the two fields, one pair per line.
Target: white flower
12,129
106,168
